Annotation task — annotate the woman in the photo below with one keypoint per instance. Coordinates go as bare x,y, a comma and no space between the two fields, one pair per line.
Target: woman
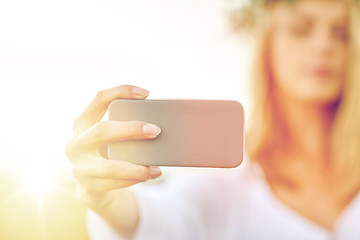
301,175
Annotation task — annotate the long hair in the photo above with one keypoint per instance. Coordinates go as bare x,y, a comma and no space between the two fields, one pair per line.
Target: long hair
261,129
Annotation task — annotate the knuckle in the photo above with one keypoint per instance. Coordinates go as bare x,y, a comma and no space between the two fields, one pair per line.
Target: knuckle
87,187
73,149
137,126
79,192
106,168
125,91
68,148
132,129
77,173
98,186
142,172
103,186
93,188
101,96
75,124
139,123
99,130
126,88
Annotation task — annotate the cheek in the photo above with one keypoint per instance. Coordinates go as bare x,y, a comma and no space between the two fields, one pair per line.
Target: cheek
342,62
286,61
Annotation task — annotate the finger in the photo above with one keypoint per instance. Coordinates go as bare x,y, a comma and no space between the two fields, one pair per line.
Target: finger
97,185
116,169
95,111
95,199
113,131
103,151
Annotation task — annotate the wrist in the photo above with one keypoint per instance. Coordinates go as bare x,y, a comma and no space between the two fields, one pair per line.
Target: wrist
94,200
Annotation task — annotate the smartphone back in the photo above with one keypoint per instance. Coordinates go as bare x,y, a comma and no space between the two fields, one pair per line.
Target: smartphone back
194,133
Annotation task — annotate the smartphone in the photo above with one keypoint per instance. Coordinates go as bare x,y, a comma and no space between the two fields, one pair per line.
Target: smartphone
194,132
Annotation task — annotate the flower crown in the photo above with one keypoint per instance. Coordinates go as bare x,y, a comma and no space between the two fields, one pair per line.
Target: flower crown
247,15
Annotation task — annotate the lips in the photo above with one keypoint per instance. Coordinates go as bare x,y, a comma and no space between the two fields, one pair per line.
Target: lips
322,72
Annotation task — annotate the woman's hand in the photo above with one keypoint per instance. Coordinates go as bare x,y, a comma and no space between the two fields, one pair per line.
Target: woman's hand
87,149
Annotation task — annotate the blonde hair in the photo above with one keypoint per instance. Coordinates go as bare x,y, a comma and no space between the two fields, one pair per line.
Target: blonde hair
345,134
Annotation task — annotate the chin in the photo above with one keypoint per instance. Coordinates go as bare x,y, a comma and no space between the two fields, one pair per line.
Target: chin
327,92
325,99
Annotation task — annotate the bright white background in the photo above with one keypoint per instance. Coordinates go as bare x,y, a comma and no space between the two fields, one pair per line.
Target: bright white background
55,56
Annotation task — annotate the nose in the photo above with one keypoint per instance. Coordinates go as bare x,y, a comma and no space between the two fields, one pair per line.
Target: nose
323,43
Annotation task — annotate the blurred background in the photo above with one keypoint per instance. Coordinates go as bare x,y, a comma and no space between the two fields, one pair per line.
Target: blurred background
56,55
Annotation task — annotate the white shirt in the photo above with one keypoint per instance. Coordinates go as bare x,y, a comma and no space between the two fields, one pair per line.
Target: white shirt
236,204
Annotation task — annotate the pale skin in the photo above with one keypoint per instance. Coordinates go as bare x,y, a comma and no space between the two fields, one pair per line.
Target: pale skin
311,38
302,95
97,176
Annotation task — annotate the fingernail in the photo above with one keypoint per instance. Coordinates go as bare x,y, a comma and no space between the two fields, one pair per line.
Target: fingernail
151,130
140,91
155,172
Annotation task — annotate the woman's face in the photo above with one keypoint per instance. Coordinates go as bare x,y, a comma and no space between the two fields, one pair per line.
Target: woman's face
308,46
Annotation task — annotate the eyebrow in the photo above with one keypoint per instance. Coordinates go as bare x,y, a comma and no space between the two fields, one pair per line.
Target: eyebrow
342,20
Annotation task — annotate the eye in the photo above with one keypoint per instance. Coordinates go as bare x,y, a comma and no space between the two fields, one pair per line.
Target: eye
341,33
